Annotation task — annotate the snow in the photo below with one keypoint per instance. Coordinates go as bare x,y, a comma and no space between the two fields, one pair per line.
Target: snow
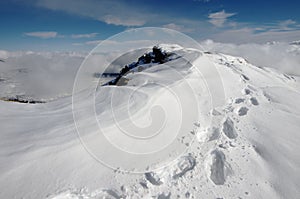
231,130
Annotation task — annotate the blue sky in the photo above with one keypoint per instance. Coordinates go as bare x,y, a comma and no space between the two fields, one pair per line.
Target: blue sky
63,25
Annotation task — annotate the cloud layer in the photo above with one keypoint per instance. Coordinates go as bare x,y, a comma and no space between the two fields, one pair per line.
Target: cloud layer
48,75
255,35
281,56
39,75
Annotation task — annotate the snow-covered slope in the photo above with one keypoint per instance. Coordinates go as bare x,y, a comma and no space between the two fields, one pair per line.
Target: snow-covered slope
239,141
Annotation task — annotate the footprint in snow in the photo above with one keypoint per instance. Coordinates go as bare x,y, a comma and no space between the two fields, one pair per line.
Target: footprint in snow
215,112
244,77
228,129
209,134
185,164
254,101
112,194
153,178
246,91
197,124
164,196
239,100
217,169
242,111
215,132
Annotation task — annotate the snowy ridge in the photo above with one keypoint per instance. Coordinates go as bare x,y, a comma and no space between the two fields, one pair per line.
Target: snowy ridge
249,149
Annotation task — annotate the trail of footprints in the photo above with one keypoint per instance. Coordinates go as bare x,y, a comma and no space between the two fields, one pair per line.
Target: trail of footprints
219,168
224,132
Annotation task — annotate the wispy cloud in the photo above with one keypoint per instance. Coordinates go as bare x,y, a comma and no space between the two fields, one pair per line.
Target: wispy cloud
223,25
286,24
90,42
179,28
250,35
54,34
89,35
77,44
114,12
113,44
42,34
93,42
110,19
219,18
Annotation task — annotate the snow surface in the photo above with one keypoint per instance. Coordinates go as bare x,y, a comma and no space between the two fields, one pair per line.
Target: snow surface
243,144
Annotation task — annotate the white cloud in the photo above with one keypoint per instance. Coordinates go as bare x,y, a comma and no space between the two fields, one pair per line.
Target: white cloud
33,73
286,25
110,19
3,54
179,28
42,34
52,34
287,22
219,18
93,42
77,44
89,35
281,55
